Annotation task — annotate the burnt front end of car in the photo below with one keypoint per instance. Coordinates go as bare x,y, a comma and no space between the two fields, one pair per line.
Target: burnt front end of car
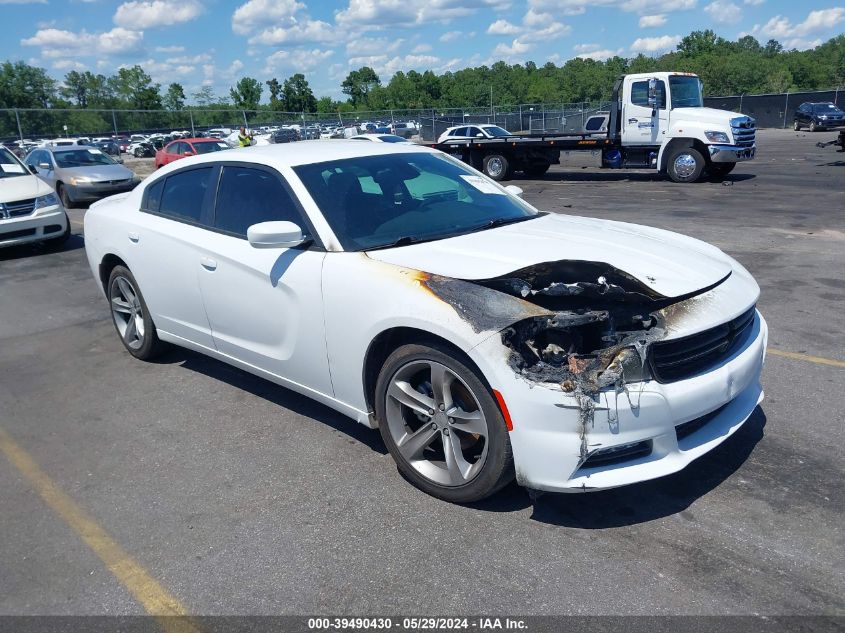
607,381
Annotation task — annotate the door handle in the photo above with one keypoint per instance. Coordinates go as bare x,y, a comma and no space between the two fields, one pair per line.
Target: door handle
134,237
632,120
208,263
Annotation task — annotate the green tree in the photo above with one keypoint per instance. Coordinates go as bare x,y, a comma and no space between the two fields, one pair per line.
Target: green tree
246,94
275,94
358,85
25,86
175,97
298,96
135,88
75,87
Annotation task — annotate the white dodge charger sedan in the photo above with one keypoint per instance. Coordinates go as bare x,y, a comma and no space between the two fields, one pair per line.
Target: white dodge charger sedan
486,340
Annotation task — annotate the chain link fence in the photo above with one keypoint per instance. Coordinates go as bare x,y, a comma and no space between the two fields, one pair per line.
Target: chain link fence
770,110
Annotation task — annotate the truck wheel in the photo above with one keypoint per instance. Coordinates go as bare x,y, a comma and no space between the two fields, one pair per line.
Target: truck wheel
535,171
686,165
718,170
497,167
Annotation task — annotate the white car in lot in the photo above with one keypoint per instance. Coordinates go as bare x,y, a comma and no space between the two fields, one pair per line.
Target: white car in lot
485,339
30,211
472,132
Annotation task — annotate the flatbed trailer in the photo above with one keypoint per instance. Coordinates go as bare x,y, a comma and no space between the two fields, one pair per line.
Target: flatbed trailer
656,121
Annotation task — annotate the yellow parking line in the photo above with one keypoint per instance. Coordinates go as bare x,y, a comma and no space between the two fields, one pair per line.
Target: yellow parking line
818,360
154,598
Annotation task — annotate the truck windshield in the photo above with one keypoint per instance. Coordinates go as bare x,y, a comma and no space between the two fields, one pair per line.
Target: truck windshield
686,91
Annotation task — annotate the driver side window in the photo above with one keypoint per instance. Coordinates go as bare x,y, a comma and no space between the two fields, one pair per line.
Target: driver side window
639,94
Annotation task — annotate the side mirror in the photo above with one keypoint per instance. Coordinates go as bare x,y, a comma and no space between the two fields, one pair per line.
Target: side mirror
479,135
277,234
514,190
44,166
188,154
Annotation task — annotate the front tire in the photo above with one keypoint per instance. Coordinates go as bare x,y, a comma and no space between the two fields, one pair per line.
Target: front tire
55,243
497,167
67,203
796,126
441,425
130,315
685,165
813,126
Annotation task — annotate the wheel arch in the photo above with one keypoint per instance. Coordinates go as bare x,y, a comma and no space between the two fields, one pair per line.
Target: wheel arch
677,143
108,264
387,341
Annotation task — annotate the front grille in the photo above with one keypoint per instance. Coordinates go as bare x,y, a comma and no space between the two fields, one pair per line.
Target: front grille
10,235
17,209
683,358
618,454
744,130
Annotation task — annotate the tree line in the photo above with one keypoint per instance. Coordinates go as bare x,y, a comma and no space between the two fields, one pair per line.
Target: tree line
726,67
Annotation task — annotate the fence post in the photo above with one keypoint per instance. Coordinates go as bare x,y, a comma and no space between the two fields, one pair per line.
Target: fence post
114,122
785,108
243,114
193,133
740,103
20,131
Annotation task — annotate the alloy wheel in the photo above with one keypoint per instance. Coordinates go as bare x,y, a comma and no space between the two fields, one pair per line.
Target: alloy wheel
127,312
437,423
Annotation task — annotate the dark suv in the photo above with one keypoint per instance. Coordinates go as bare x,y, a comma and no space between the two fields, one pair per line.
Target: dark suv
817,116
284,135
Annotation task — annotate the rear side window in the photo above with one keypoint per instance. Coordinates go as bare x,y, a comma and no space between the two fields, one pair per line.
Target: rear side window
152,197
248,196
183,194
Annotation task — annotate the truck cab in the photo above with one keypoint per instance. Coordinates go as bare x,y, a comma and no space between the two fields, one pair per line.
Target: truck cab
659,120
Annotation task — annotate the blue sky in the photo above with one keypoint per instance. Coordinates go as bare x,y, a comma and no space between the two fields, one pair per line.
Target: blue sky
214,42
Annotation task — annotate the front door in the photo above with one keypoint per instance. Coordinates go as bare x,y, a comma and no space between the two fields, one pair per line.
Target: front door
643,124
265,305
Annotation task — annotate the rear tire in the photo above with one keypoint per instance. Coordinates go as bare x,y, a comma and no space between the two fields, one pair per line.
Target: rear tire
685,165
130,315
497,167
441,425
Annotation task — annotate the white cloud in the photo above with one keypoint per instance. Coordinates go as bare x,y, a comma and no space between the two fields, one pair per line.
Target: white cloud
536,27
450,36
754,3
652,21
363,46
202,58
819,21
300,32
169,49
511,51
68,64
23,1
385,66
150,14
56,43
261,13
655,44
378,14
168,71
502,27
421,48
298,59
801,44
643,7
594,51
723,12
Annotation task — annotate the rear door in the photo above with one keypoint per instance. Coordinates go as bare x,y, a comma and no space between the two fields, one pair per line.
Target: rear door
265,305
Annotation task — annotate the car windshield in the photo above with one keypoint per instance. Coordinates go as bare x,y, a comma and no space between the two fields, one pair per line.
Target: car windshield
83,157
10,166
827,108
391,138
207,148
398,199
495,130
686,91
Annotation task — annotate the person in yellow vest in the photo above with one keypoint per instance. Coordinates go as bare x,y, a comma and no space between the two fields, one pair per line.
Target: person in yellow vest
244,138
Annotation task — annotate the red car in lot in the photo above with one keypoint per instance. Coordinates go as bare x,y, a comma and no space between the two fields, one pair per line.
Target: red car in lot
181,148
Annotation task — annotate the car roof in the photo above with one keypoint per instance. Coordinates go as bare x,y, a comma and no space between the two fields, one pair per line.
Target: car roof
309,152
